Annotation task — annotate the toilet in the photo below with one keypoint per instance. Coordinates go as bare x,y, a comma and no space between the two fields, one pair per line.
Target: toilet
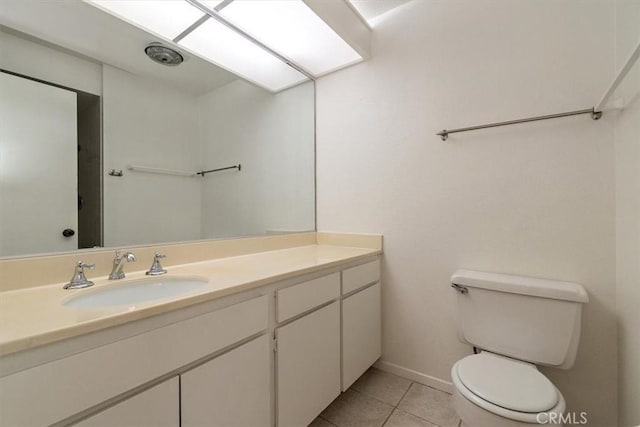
514,324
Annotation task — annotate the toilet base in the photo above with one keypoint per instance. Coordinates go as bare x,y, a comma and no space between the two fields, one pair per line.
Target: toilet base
474,416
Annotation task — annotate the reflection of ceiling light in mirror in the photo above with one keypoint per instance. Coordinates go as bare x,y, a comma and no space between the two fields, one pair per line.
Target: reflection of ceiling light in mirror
167,18
213,4
291,28
373,9
228,49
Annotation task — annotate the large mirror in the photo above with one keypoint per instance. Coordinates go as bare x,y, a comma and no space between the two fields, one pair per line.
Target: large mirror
102,147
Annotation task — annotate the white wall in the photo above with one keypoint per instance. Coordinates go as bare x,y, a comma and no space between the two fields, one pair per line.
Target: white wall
149,124
35,60
627,136
535,199
272,137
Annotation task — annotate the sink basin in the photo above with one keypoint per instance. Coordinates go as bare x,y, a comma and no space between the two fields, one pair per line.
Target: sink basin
135,292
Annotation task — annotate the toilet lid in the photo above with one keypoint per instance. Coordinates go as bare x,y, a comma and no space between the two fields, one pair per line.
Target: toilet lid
513,385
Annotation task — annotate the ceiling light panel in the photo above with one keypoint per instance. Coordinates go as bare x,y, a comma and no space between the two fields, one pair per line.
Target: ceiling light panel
224,47
167,18
292,29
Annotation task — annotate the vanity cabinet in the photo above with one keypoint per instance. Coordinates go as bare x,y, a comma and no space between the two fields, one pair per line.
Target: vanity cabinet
273,356
158,406
232,390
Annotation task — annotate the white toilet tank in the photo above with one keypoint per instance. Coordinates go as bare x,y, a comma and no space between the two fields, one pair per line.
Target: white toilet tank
534,320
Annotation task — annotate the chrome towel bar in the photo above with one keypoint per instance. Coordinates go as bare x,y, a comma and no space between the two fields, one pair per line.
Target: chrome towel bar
595,115
596,111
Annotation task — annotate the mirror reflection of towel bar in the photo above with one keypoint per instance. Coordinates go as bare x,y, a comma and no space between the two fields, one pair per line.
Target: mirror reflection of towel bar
238,166
176,172
160,171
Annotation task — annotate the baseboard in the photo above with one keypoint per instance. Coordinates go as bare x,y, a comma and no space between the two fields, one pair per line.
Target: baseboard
416,376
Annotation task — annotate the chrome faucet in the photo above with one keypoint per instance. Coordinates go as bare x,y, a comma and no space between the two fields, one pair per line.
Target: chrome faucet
156,268
79,280
118,264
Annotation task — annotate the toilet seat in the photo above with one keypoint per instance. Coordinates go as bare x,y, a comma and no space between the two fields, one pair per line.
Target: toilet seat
508,383
506,387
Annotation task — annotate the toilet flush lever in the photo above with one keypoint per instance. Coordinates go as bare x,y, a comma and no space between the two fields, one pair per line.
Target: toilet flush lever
462,289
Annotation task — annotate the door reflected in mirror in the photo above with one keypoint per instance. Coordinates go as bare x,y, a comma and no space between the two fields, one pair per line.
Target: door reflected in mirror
100,146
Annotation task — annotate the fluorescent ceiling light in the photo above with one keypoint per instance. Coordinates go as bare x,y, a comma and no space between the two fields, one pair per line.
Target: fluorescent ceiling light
292,29
288,27
224,47
167,18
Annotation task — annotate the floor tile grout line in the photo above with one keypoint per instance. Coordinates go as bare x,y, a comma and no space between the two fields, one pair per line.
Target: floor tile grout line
370,397
388,416
375,398
411,382
324,419
393,406
405,393
420,418
411,413
396,405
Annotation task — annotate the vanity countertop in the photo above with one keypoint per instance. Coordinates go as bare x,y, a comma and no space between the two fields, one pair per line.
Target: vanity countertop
36,316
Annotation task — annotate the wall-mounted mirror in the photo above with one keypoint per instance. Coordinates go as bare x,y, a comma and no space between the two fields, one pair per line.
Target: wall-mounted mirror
100,146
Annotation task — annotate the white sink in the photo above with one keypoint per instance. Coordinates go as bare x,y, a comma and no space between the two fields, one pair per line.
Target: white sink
135,292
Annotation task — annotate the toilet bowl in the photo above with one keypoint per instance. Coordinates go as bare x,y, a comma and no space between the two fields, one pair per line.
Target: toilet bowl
518,323
490,390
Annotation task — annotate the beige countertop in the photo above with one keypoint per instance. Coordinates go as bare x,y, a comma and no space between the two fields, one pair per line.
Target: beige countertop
35,316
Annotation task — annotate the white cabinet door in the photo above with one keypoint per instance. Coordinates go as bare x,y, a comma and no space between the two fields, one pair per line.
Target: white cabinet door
38,167
156,407
361,333
308,366
230,390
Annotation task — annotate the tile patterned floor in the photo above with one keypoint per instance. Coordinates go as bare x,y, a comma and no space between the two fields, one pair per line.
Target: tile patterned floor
381,399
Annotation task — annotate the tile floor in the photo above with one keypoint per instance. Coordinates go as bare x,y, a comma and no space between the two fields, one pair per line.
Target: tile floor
381,399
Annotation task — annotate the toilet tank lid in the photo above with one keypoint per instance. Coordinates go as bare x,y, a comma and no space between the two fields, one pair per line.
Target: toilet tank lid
543,288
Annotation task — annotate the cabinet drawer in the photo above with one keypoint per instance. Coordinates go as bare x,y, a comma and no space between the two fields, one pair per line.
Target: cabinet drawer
305,296
362,275
67,386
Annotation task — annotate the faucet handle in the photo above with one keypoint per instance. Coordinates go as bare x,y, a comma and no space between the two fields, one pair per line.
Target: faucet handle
82,265
79,280
156,268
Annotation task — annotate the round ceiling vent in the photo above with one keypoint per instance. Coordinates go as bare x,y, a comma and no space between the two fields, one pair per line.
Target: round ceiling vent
163,55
